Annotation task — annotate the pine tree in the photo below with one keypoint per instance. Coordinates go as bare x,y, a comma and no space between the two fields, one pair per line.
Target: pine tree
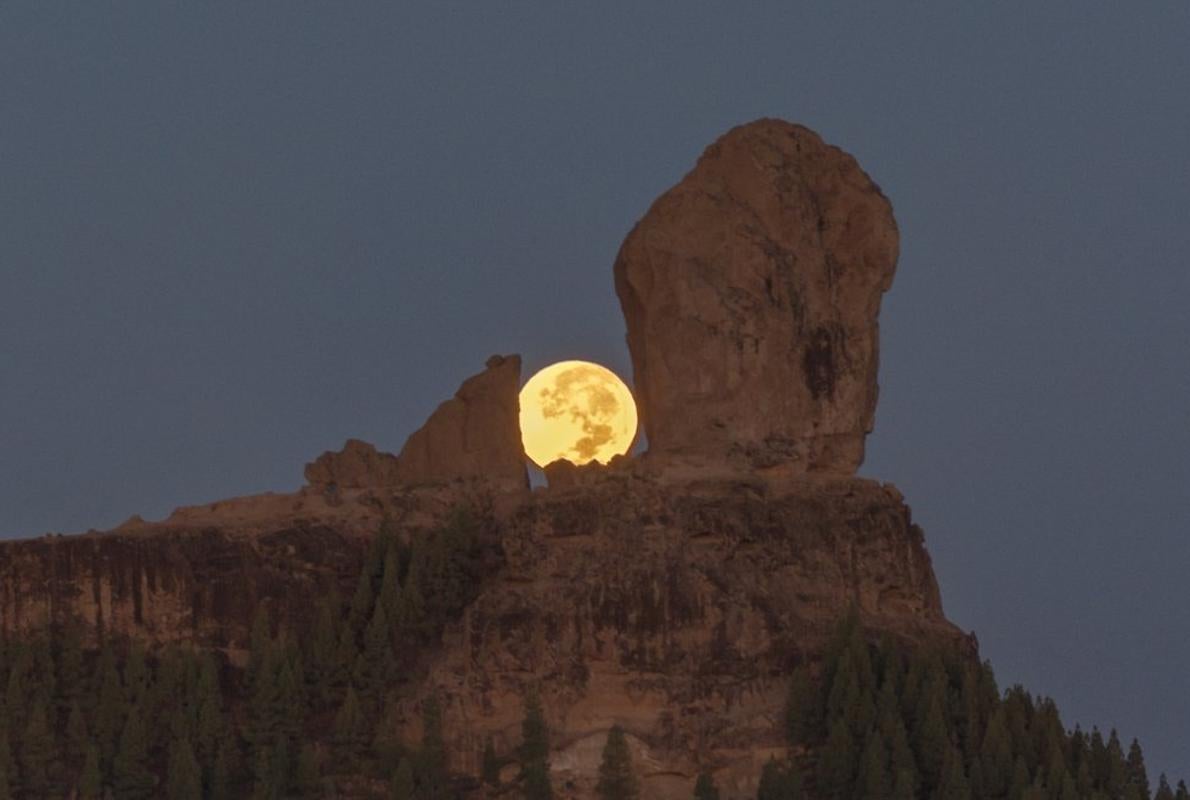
43,672
386,742
390,584
361,602
1163,790
263,774
346,652
220,772
535,737
91,780
892,729
1183,793
136,675
705,788
16,694
411,611
491,765
617,780
838,761
432,774
376,662
70,669
401,785
265,702
37,752
110,709
1020,778
953,784
536,781
259,644
6,792
210,725
131,777
1036,791
904,787
320,656
1135,768
1117,775
308,776
349,730
184,776
77,737
930,740
995,756
535,750
872,782
804,710
778,782
291,700
280,765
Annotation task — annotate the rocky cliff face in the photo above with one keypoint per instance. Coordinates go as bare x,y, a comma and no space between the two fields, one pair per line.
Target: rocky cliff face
673,608
669,594
678,612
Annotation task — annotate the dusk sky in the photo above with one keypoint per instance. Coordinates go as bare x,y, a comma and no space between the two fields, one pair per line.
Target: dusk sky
233,235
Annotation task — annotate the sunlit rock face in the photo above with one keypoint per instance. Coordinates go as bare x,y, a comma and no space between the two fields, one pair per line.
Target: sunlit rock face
751,291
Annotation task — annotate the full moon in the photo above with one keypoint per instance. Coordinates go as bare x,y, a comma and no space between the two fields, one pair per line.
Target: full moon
578,411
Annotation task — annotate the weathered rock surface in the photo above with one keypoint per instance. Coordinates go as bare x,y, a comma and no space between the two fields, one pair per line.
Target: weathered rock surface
475,434
751,291
358,465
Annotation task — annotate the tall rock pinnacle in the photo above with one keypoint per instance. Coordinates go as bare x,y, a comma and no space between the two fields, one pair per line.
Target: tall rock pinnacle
750,291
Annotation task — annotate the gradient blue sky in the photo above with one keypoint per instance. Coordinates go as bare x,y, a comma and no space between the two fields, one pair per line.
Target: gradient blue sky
232,235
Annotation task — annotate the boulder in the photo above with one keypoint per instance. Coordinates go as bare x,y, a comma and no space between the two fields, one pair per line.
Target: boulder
751,291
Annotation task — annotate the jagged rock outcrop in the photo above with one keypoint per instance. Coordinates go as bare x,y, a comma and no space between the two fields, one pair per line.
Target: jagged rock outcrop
750,291
475,435
359,465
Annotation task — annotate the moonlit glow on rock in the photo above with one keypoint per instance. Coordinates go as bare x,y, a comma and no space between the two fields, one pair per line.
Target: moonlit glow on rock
578,411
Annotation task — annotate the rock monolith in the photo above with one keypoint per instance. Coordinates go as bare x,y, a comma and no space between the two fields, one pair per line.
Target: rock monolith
751,291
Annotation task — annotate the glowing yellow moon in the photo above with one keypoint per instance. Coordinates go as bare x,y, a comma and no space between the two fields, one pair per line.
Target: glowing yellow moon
578,411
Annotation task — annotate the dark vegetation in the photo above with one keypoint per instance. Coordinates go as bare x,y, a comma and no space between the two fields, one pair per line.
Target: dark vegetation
882,723
310,715
313,715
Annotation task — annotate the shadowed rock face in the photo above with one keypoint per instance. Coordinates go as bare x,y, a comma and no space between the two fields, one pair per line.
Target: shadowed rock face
751,290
